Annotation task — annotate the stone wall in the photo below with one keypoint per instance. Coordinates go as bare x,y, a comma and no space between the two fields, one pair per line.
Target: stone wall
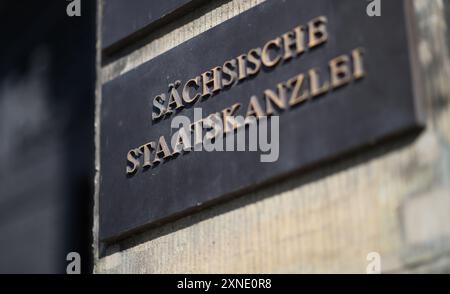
393,200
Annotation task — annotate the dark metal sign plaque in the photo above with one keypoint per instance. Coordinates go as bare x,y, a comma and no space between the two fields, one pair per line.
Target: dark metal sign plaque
122,19
336,79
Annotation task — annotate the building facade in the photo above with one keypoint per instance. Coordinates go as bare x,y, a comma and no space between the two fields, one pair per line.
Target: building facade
385,208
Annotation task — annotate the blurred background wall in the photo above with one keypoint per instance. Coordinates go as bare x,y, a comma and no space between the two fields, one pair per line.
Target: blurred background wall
47,78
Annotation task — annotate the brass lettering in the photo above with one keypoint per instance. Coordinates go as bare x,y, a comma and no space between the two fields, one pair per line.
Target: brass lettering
229,72
265,55
192,83
174,97
318,33
196,127
162,150
214,122
358,67
300,39
182,142
293,40
298,89
146,150
316,88
227,115
242,67
211,78
296,95
158,103
254,58
278,99
254,108
340,71
132,159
